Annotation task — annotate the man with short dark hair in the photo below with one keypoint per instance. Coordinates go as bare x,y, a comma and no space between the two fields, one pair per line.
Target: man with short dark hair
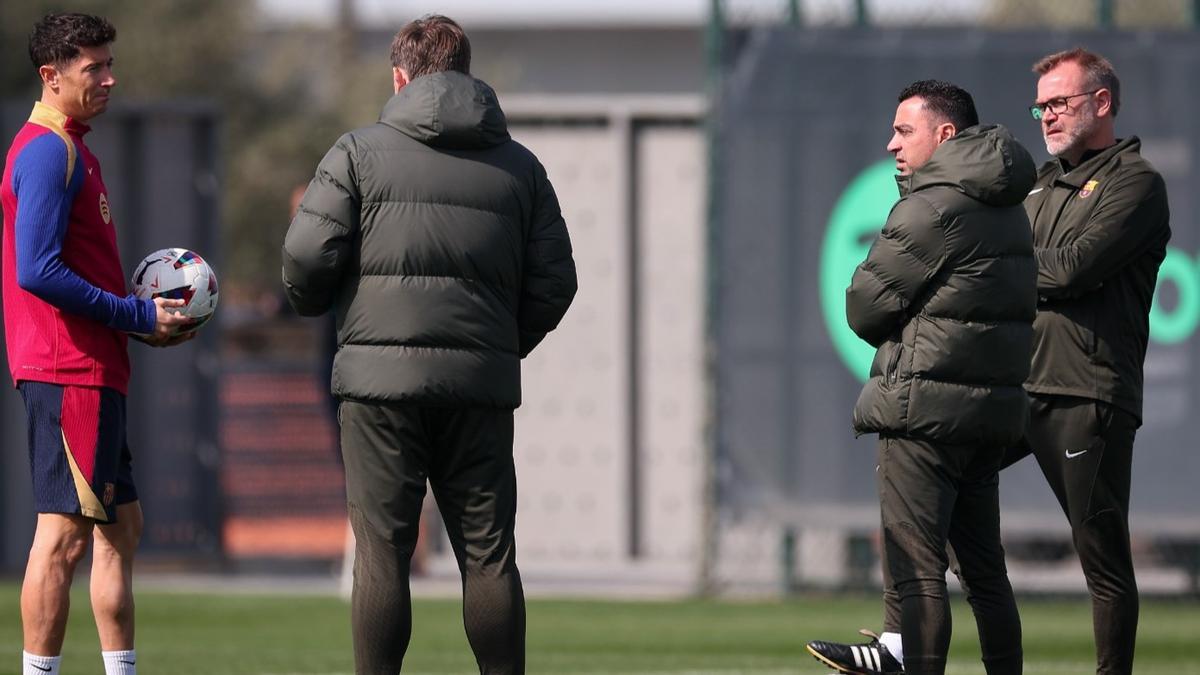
1101,223
438,242
947,295
67,316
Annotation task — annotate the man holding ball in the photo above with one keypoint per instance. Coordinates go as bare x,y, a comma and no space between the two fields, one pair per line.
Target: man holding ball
67,317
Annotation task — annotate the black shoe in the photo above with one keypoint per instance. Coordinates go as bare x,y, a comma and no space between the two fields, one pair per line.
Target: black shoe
870,658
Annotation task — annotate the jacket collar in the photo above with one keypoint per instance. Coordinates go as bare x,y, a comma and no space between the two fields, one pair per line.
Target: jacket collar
53,118
448,109
983,162
1079,175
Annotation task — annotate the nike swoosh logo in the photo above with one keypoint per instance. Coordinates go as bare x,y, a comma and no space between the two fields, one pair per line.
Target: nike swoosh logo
1034,191
132,663
1073,455
44,670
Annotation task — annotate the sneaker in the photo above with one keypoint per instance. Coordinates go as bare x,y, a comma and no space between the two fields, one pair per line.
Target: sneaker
870,658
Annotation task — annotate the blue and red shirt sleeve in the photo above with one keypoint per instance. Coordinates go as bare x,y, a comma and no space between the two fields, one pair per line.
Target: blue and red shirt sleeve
44,200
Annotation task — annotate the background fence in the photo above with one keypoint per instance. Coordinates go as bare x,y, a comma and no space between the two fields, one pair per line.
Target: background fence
981,14
687,428
803,187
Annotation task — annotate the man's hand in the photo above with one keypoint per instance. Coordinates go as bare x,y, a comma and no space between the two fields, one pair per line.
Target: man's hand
166,322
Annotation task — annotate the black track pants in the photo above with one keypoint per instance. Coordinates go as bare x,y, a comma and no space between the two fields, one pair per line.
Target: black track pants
466,456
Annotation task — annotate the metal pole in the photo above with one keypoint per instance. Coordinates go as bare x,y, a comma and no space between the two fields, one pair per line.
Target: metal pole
346,39
1104,13
209,506
788,561
794,12
861,17
710,523
622,126
1195,13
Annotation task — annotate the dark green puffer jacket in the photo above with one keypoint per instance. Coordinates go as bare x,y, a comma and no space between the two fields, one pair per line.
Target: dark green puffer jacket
439,243
948,294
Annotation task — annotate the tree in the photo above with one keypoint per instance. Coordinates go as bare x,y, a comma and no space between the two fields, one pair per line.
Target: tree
284,96
1086,13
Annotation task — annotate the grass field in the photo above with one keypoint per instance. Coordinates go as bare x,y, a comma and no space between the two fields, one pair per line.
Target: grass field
241,634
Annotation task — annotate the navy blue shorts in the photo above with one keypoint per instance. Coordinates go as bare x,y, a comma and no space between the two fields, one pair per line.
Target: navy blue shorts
78,453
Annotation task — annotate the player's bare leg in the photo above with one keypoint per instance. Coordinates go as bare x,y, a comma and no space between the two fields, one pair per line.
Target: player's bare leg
112,577
59,543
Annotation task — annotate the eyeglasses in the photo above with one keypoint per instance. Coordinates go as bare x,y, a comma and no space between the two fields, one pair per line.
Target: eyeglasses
1057,105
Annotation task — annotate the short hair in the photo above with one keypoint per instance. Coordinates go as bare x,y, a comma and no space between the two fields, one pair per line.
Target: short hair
1099,71
949,102
431,44
56,39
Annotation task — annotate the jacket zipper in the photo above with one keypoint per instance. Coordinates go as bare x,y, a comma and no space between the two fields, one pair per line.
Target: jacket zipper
894,365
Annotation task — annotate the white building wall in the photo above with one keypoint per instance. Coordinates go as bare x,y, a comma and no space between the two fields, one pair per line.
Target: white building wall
613,161
670,199
570,430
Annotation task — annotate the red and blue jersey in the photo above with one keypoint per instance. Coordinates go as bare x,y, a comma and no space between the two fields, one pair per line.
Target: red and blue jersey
66,309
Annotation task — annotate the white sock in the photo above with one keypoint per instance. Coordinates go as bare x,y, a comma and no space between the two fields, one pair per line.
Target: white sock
894,644
39,665
120,663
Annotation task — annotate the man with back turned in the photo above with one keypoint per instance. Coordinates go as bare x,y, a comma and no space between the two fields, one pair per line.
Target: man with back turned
438,242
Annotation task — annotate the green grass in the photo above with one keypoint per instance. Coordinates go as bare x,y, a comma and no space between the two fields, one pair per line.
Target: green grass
240,634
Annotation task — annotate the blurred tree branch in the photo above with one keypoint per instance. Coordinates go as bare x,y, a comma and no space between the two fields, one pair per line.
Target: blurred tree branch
285,94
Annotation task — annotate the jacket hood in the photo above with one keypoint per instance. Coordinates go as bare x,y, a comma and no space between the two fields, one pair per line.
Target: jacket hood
448,110
983,162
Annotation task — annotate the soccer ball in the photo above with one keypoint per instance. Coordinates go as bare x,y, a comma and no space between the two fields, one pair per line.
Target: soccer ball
179,274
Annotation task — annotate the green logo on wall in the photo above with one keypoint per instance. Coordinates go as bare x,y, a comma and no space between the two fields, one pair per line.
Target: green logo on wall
857,218
859,215
1175,325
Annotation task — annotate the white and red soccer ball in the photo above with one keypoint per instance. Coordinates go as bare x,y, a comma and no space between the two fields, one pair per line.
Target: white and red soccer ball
179,274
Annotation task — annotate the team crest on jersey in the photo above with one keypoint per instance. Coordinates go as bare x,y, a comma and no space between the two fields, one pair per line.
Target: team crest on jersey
109,493
104,213
1088,188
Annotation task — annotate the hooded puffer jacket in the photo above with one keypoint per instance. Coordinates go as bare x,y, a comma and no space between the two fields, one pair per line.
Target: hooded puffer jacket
439,243
948,295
